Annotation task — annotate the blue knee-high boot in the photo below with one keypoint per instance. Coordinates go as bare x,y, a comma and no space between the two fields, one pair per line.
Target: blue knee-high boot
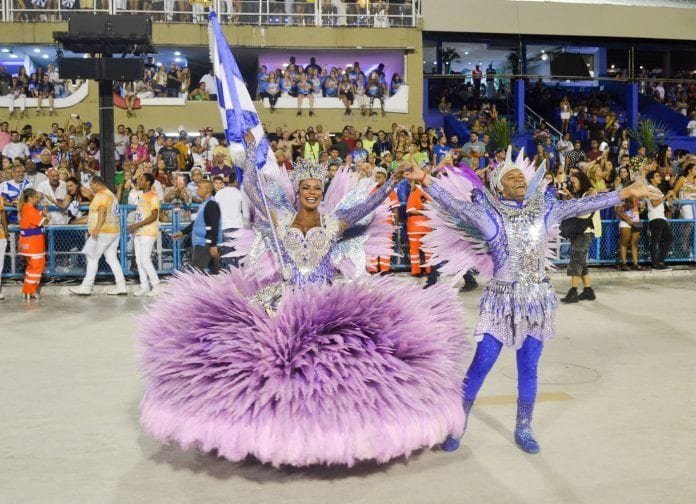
487,352
527,364
524,436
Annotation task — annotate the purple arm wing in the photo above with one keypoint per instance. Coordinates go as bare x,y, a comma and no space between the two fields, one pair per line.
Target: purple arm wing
571,208
471,213
351,215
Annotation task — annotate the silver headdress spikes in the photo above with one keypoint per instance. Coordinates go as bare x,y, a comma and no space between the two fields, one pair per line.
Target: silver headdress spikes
307,169
521,163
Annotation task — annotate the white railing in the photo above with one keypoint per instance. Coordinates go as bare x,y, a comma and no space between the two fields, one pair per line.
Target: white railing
334,13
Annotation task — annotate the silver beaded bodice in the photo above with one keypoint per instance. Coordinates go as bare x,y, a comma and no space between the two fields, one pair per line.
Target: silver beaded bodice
519,248
308,256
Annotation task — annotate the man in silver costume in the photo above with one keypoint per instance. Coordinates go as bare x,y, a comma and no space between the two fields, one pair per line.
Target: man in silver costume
517,307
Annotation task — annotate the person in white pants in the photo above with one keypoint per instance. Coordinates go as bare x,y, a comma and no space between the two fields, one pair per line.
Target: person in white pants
146,229
104,232
4,233
18,92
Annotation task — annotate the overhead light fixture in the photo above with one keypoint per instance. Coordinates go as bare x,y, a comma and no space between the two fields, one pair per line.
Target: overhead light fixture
466,53
543,51
37,50
178,60
44,56
613,66
177,53
544,56
159,64
13,56
5,50
85,56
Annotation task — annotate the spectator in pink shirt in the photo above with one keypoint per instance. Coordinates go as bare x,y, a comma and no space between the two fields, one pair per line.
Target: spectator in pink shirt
4,134
136,151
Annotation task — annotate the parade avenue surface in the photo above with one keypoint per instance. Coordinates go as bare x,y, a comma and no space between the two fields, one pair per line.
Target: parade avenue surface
615,415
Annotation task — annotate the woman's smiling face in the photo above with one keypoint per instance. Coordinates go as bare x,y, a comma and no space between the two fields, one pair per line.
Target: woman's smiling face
311,192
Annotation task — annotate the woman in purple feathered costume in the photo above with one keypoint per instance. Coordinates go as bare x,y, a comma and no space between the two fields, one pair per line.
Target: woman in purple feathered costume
283,360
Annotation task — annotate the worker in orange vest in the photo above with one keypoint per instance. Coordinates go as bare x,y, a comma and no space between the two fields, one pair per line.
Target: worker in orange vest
32,244
383,264
417,227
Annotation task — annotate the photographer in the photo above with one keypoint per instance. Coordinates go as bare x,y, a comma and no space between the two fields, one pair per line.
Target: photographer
580,231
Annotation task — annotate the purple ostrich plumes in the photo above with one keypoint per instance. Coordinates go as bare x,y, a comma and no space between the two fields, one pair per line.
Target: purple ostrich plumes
369,369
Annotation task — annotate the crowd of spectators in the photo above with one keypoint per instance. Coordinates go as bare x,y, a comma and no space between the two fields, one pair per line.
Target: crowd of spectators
680,97
44,84
473,92
60,163
349,85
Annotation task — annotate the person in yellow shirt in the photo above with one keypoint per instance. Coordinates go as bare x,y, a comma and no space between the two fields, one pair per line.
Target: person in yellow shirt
224,150
4,233
104,232
146,229
183,148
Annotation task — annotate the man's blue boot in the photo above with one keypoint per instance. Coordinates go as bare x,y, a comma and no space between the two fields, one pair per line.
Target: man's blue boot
524,436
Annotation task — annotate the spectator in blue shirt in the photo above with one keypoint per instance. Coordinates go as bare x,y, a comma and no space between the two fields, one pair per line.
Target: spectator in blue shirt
550,149
305,90
313,77
375,91
287,84
441,148
331,85
263,80
359,153
272,91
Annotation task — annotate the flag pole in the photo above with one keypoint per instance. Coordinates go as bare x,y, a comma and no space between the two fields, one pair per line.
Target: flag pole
215,59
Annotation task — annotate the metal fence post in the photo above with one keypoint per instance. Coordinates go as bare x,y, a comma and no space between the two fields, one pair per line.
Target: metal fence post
176,244
51,251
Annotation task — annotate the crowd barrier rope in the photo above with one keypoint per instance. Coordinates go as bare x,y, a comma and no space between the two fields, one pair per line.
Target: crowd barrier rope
64,243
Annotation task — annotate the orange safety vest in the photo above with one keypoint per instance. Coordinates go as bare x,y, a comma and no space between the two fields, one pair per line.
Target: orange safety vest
31,238
417,223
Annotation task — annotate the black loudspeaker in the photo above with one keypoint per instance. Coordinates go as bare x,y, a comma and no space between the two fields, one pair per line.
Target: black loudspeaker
569,64
135,26
119,69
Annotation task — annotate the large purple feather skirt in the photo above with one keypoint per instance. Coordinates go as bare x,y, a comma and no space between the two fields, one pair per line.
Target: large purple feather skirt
362,370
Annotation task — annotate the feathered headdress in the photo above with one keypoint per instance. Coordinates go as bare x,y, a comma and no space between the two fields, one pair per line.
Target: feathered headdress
521,163
305,169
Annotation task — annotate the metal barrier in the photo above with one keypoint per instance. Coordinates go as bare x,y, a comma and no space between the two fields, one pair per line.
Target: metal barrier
376,14
64,244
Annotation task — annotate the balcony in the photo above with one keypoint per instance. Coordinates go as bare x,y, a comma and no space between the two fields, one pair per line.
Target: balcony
329,13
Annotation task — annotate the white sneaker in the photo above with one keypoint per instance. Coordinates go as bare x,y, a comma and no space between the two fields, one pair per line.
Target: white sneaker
118,290
82,290
2,296
141,291
155,291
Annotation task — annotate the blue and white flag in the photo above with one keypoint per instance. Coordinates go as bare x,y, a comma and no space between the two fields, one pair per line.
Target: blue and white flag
236,107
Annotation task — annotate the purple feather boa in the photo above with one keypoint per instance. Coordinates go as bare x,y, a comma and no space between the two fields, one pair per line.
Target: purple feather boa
361,370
